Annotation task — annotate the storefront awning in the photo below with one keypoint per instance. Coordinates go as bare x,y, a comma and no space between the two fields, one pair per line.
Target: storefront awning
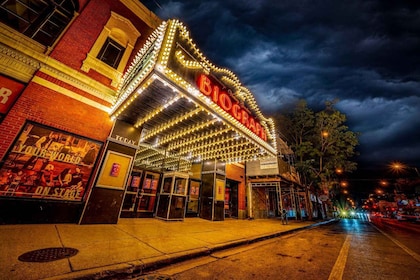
188,109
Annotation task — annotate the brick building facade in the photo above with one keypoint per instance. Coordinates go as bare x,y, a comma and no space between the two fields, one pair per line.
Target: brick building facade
72,145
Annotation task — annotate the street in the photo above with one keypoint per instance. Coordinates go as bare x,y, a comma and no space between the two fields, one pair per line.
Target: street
348,249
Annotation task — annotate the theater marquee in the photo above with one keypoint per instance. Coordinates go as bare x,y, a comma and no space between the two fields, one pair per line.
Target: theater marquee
188,109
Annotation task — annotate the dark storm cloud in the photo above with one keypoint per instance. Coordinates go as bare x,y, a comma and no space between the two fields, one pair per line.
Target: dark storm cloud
364,53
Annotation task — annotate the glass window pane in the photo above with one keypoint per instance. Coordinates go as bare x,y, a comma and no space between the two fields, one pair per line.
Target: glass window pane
111,53
41,20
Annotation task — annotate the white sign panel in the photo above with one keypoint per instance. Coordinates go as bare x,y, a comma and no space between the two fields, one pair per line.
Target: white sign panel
270,163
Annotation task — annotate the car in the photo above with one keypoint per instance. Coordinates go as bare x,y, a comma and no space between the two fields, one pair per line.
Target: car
349,214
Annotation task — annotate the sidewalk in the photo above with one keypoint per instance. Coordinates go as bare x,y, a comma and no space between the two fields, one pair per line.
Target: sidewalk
130,245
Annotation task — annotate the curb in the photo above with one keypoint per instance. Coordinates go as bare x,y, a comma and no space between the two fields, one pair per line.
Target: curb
138,268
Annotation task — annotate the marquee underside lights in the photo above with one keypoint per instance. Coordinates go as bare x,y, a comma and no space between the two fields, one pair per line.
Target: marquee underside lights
188,109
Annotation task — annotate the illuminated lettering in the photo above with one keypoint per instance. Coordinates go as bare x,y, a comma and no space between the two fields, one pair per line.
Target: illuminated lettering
258,128
204,84
263,135
215,94
224,100
252,124
236,112
244,119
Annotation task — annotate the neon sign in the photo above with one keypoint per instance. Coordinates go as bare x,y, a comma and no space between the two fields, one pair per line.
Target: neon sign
225,101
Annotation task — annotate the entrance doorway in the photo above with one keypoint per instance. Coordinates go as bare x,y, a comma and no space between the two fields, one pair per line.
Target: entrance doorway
272,203
193,198
266,199
231,199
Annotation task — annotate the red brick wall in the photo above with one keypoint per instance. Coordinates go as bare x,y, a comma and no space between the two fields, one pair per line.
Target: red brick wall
82,34
82,4
48,107
78,40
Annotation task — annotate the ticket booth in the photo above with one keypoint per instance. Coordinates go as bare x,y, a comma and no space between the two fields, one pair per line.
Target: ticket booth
173,196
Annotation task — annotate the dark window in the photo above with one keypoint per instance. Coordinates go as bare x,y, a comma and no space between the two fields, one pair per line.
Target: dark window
40,20
111,53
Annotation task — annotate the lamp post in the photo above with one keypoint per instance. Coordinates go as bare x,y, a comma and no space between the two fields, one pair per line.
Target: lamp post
401,167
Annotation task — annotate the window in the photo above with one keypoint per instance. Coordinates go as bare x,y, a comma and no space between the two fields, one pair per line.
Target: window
41,20
112,49
111,53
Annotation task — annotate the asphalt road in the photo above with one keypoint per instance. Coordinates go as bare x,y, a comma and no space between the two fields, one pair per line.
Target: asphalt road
350,249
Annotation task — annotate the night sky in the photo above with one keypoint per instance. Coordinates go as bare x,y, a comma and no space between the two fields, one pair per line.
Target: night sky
364,53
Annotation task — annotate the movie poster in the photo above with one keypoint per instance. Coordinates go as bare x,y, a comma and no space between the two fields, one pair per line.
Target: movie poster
47,163
114,171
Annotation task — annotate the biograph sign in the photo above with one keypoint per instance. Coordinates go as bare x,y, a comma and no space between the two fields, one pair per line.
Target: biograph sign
226,101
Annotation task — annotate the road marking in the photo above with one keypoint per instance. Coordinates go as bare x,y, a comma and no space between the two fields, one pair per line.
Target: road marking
338,269
402,246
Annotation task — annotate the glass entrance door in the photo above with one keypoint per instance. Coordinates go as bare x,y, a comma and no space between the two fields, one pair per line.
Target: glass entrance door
193,198
206,196
272,203
231,199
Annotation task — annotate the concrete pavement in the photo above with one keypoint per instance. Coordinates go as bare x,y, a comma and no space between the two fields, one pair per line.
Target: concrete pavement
131,245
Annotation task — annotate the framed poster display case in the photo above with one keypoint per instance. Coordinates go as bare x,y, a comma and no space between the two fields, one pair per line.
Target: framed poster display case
48,163
113,173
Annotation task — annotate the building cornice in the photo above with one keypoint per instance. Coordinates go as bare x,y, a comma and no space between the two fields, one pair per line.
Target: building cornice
69,93
143,13
22,57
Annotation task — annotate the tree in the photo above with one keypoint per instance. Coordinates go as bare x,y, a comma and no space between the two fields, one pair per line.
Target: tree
321,141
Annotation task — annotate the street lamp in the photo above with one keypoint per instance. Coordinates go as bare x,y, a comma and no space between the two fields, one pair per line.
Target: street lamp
397,166
383,183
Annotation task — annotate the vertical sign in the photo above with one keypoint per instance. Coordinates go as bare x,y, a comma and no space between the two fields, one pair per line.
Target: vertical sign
9,91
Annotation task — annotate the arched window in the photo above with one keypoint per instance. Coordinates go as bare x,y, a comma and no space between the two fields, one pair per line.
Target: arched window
112,49
41,20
